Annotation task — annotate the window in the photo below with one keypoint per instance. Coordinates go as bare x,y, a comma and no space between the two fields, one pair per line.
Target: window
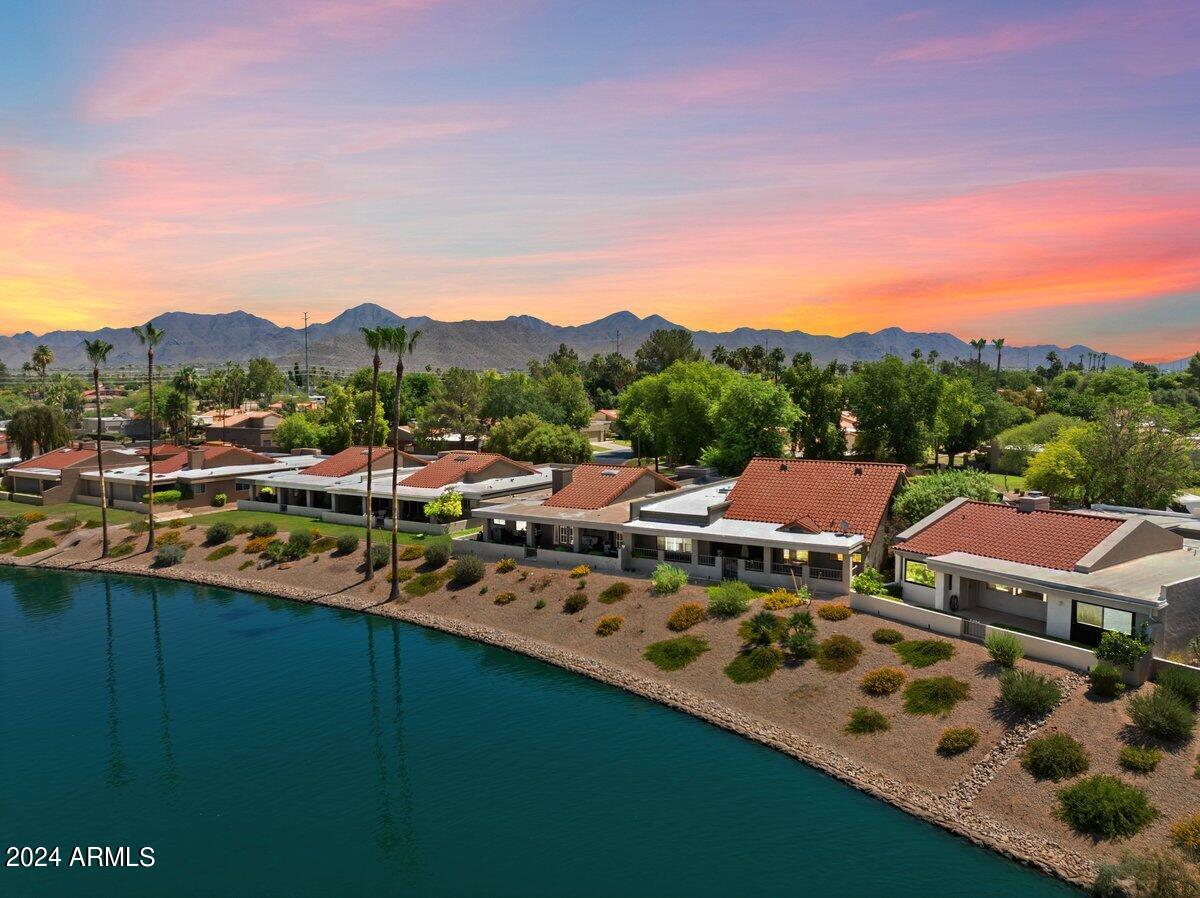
241,486
200,487
918,573
794,556
1104,618
675,544
564,536
1017,591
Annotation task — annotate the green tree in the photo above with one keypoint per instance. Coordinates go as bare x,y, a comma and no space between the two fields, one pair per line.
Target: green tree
605,376
149,336
298,431
528,438
66,391
187,383
665,347
958,412
924,495
37,427
446,507
510,395
1019,444
97,352
263,380
896,405
457,405
1060,469
339,420
753,418
672,413
42,358
819,398
566,400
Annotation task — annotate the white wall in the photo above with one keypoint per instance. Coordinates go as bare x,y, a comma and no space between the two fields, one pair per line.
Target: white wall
946,624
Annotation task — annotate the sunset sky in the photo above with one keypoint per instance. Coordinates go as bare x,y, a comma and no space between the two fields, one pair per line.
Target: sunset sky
1020,169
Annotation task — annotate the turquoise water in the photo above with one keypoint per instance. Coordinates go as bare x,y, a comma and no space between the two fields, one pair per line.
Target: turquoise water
265,747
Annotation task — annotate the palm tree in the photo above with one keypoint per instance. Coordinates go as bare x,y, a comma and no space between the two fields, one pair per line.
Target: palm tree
150,336
97,352
43,357
186,381
999,344
401,342
376,339
978,345
719,355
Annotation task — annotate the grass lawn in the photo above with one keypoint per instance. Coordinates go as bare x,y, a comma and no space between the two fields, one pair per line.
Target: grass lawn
1007,482
65,509
289,522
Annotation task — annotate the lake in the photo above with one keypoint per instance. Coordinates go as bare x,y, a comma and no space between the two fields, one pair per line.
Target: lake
261,746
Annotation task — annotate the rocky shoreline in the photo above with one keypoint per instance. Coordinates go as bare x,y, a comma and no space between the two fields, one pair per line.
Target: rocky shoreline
950,809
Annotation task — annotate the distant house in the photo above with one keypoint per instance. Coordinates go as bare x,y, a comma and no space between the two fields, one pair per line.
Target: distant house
53,477
582,519
600,427
253,430
1067,575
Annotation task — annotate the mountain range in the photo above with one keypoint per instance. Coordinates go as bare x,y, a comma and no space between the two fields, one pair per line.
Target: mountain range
207,339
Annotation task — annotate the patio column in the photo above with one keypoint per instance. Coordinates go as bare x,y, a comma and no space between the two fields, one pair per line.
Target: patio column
530,535
577,539
847,570
695,553
941,592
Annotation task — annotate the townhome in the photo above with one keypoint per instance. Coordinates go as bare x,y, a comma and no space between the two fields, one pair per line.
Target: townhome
580,521
254,430
1065,575
782,522
53,477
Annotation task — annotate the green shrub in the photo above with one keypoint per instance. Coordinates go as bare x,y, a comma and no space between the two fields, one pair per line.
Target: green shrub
505,598
218,553
614,592
684,616
1004,648
245,564
276,551
1186,836
539,604
219,500
1055,757
161,496
411,552
1120,649
1140,759
834,611
574,603
424,583
1027,693
504,565
869,583
380,555
935,695
923,652
799,645
436,554
263,528
668,579
882,681
838,654
956,740
780,599
756,664
677,653
887,636
1155,874
300,542
1161,714
40,544
220,532
13,527
168,555
323,544
1183,684
347,543
866,720
120,550
762,628
467,569
1105,807
9,545
729,598
1106,680
609,624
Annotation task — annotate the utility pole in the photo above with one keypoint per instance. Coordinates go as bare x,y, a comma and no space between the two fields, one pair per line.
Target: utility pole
307,379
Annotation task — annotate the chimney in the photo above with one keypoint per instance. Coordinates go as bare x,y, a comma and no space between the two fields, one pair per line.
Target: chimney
1027,504
195,459
560,477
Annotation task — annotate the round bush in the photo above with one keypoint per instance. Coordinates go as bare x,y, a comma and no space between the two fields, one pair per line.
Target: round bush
1121,649
729,598
380,555
347,543
609,624
757,664
1004,648
1055,757
504,565
838,653
301,539
677,653
467,570
1161,714
614,592
263,528
882,681
575,602
1106,680
505,598
887,636
956,740
866,720
1027,693
1139,759
1186,835
834,611
923,652
686,615
1184,684
1105,807
411,552
220,532
668,579
779,599
436,554
168,555
935,695
219,500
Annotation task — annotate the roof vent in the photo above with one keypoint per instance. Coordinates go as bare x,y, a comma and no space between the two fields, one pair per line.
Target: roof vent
462,458
783,466
608,473
858,470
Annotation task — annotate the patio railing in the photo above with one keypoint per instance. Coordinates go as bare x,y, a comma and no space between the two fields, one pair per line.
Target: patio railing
785,569
706,560
645,553
825,573
751,565
683,557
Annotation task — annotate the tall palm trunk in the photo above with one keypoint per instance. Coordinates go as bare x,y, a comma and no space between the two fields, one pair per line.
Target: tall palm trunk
100,467
150,451
998,350
395,590
187,419
371,458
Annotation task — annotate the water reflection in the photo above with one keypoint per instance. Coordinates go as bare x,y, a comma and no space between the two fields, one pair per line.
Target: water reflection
38,603
408,838
171,776
118,770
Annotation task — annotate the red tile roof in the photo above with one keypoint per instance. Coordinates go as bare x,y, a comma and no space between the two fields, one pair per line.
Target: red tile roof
177,458
56,459
455,466
815,494
354,459
1049,539
594,486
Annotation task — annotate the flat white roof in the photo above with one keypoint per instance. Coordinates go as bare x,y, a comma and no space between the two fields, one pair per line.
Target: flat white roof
726,530
691,502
